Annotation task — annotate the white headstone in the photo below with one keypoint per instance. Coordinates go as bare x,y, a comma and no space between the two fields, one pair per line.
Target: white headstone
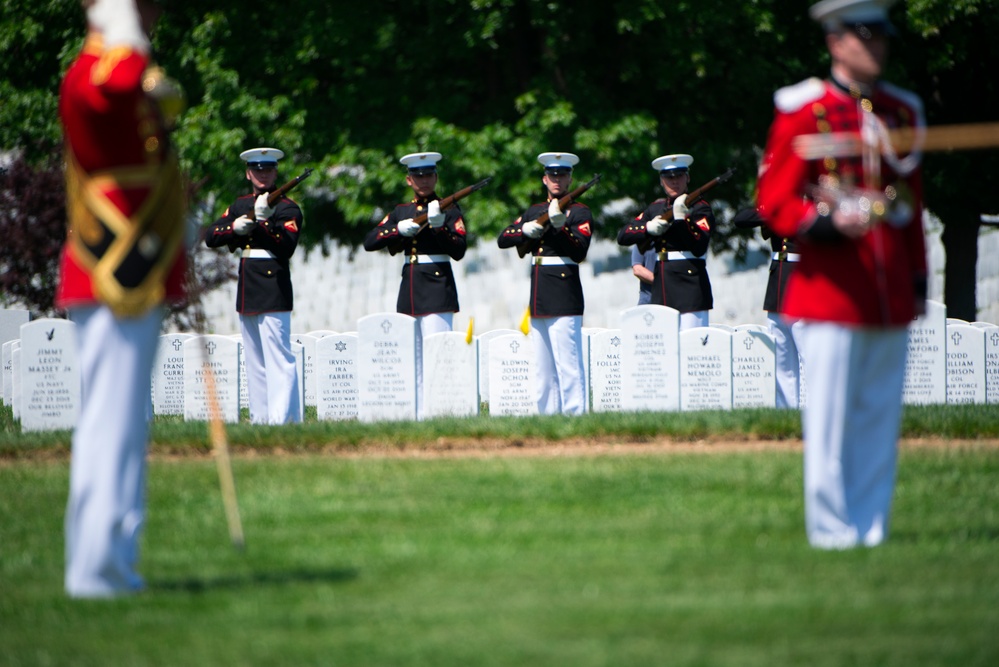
965,364
168,374
298,351
336,377
926,360
386,352
50,376
605,370
10,329
991,363
308,343
705,369
483,340
650,358
15,383
754,363
322,333
511,376
450,375
244,385
8,370
221,354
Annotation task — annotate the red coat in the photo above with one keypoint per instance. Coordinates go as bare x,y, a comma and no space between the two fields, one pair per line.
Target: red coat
118,146
877,279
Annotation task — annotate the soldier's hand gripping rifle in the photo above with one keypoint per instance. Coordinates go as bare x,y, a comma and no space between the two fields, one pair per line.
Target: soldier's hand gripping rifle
445,203
646,244
527,246
275,196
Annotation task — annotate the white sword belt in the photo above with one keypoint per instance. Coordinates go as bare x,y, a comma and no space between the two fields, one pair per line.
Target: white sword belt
786,257
673,255
427,259
538,260
256,253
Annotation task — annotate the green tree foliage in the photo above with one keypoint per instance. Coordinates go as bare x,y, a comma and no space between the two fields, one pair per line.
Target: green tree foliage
347,88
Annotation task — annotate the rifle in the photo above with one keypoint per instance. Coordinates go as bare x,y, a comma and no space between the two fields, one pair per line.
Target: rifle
446,203
527,246
273,197
648,242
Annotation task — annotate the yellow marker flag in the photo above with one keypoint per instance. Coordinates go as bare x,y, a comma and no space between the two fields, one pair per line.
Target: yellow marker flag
525,323
470,332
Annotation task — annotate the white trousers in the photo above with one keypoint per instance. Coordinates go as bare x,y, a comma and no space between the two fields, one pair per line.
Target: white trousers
558,352
106,507
271,374
697,318
788,363
851,424
427,325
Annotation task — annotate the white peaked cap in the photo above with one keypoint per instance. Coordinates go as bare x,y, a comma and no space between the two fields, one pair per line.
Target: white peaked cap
255,155
420,160
833,13
668,162
563,160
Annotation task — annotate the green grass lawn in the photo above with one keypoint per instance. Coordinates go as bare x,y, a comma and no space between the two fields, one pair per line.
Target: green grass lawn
648,559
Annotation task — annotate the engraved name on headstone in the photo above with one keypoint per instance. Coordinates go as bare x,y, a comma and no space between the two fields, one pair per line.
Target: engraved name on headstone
926,359
50,376
753,369
965,364
221,354
605,370
168,374
650,358
484,340
336,377
450,375
705,369
386,350
511,375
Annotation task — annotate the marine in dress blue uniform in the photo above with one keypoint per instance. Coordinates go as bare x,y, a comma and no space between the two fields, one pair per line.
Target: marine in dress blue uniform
266,238
681,277
784,257
556,299
427,290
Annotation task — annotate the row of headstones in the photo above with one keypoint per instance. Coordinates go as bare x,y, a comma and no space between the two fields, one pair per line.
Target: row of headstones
371,374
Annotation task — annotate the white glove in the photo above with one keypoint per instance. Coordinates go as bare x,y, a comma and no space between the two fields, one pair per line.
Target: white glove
407,227
243,225
657,226
555,215
118,21
434,214
532,230
680,209
261,209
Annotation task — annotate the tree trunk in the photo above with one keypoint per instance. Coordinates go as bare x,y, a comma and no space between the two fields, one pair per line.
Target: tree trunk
960,241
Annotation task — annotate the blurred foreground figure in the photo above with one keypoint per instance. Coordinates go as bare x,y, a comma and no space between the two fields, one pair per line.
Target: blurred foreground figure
123,257
862,275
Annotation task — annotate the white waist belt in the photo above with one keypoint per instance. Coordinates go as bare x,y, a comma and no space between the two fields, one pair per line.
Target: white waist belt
788,256
537,259
256,253
673,255
428,259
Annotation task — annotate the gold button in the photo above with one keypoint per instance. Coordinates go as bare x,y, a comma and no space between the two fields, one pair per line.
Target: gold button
866,105
152,143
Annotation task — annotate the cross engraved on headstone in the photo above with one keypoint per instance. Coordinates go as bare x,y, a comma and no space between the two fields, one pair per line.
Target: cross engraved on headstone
178,345
995,339
748,342
514,346
956,337
210,347
386,326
